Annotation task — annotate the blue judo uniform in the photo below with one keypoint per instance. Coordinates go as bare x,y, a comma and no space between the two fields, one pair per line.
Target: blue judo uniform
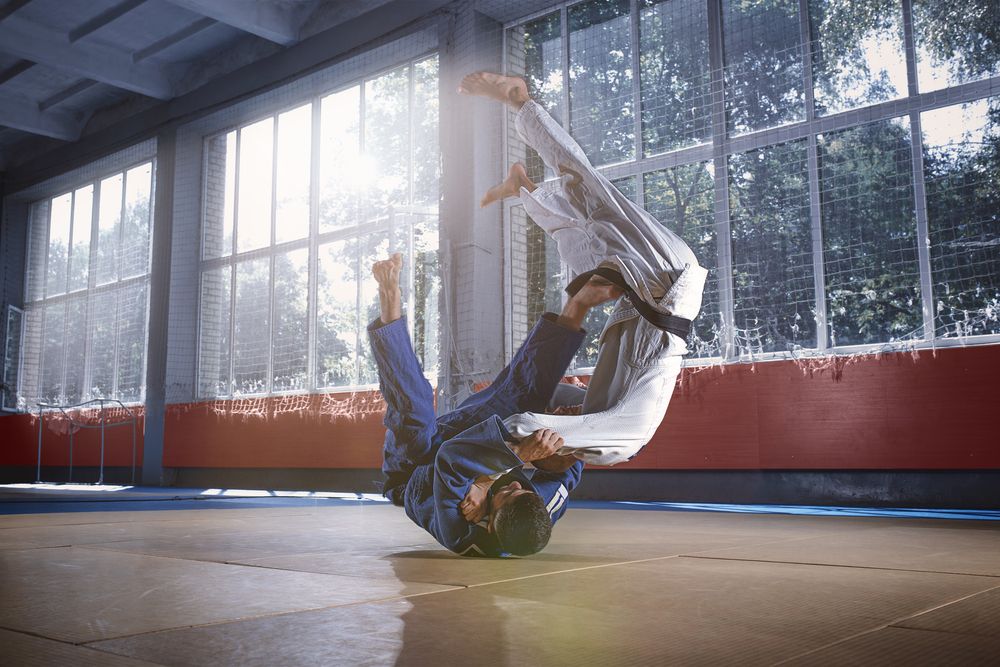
430,462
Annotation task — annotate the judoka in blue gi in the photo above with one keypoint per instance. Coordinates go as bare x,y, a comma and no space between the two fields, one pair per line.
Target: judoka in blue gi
461,476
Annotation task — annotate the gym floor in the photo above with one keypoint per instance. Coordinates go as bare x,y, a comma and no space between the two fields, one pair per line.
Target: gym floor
194,577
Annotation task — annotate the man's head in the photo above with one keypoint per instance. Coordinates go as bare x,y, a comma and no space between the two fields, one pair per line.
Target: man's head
519,519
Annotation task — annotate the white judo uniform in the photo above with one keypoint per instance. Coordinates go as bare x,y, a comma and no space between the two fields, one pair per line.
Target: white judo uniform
595,225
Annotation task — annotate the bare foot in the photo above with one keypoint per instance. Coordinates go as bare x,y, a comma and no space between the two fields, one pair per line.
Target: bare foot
510,90
517,178
390,299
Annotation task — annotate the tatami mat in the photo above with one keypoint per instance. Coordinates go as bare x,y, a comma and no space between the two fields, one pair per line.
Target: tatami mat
976,615
899,646
358,584
934,546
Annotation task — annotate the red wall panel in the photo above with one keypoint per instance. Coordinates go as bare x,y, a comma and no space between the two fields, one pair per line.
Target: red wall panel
930,410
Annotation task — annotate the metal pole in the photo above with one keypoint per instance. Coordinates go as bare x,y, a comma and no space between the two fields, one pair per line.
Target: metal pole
132,415
70,452
100,478
38,469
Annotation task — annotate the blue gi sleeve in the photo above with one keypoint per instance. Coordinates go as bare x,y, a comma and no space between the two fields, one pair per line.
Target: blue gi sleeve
479,450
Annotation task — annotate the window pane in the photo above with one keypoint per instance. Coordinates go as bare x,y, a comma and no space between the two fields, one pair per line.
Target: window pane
373,248
536,274
215,345
291,217
857,53
14,325
962,174
253,215
103,318
773,284
602,113
869,234
387,136
109,229
220,194
426,294
675,74
53,353
682,199
343,171
38,239
135,245
337,326
426,161
132,343
59,239
536,53
291,321
83,215
75,347
251,326
956,42
763,68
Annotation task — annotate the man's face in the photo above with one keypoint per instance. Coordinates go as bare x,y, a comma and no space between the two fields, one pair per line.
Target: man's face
502,496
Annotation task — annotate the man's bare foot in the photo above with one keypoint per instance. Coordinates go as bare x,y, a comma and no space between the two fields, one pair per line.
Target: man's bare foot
510,90
390,299
517,178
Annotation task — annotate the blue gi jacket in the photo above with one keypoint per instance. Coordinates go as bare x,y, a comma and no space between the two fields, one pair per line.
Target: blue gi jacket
434,461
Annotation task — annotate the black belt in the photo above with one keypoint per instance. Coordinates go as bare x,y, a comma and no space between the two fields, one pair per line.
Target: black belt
676,325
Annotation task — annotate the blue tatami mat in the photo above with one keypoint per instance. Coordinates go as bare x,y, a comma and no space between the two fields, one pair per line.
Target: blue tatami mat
52,498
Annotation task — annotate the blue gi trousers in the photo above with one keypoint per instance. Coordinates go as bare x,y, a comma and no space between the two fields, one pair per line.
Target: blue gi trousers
413,432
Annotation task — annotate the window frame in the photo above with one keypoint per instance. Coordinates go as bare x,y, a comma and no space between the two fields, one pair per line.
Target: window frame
722,144
312,242
119,285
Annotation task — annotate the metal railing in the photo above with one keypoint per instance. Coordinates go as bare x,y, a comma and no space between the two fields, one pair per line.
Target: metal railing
103,424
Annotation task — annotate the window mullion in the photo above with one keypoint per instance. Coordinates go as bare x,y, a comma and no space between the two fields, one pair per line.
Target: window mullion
232,265
805,31
721,177
269,380
816,225
88,343
919,186
564,29
66,307
312,304
636,86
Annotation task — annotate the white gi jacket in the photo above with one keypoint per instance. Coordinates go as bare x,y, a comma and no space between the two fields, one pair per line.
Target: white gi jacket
593,224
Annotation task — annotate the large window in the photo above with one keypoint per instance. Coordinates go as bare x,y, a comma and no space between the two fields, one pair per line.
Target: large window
834,164
297,206
87,291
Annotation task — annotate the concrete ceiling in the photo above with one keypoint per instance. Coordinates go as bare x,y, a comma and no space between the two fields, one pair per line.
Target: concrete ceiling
71,67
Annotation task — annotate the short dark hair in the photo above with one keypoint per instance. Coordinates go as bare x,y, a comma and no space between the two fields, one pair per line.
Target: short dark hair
523,525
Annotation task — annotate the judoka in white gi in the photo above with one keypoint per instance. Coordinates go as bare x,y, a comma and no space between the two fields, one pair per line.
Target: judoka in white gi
596,226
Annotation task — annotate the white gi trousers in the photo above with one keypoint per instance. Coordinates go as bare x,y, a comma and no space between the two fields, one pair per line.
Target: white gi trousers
593,224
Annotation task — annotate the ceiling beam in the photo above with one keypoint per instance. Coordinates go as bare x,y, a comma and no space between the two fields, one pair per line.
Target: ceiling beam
170,40
28,40
264,19
103,19
11,7
65,94
23,114
17,68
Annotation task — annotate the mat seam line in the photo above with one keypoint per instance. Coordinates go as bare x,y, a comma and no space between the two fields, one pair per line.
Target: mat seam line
891,623
855,567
